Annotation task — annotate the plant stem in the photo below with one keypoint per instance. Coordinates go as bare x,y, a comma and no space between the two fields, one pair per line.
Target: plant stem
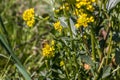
67,72
109,48
101,64
93,45
77,69
99,69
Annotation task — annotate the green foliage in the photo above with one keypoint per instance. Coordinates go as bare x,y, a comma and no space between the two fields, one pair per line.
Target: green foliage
88,52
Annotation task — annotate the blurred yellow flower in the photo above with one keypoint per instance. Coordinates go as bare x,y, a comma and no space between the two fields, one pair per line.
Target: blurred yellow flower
62,63
48,51
93,0
90,7
57,26
63,7
28,16
52,42
86,3
30,23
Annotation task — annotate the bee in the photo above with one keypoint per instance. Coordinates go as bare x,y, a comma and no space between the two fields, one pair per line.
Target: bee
44,42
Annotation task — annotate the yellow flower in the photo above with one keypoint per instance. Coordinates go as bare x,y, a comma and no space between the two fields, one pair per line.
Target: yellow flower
67,6
62,63
90,8
83,20
78,11
63,7
85,4
57,26
30,23
91,19
28,16
48,51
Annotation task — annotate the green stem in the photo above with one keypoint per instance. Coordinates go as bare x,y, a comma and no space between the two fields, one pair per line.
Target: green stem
93,45
77,69
109,48
46,63
99,69
70,60
66,70
30,3
101,64
100,54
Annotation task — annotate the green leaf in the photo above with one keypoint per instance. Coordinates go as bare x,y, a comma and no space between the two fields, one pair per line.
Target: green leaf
111,4
106,71
117,55
63,22
4,31
72,27
87,59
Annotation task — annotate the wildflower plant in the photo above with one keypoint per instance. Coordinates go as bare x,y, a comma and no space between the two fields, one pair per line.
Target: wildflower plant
75,40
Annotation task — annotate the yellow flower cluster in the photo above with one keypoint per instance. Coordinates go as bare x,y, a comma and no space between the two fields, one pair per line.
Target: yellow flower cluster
80,11
57,26
28,16
48,50
83,20
85,3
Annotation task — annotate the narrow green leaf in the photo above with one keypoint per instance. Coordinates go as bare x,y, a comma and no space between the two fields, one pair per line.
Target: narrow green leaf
63,21
72,27
3,29
111,4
